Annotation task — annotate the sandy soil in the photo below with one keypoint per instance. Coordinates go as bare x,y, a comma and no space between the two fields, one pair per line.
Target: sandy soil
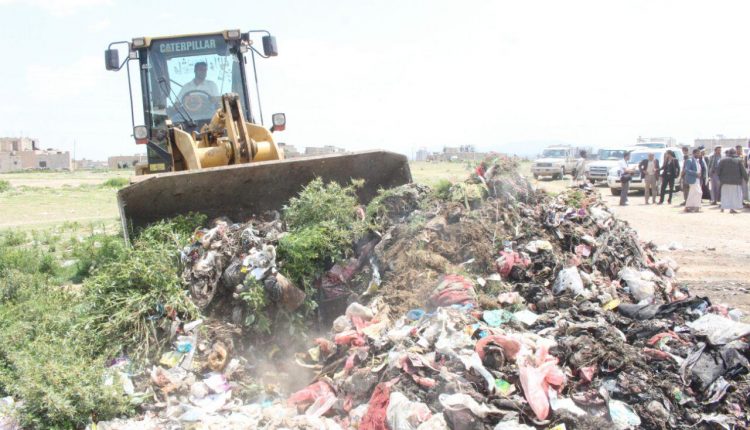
712,248
54,179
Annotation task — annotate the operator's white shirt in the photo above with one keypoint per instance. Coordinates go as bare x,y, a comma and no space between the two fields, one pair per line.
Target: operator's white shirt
206,86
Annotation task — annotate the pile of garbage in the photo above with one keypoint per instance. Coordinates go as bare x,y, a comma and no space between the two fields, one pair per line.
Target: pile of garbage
497,307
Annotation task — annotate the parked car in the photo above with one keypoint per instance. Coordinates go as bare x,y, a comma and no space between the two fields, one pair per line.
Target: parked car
636,183
608,158
556,161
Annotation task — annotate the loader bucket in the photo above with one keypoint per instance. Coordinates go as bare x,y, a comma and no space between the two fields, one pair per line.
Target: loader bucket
242,190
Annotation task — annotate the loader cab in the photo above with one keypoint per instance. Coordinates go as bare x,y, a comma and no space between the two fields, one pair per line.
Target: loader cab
182,80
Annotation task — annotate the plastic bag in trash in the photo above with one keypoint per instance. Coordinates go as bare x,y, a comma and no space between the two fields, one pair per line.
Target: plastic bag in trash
538,246
319,396
291,296
459,401
8,411
497,317
526,317
568,280
402,413
357,310
623,415
509,260
233,275
512,425
537,375
640,283
718,329
436,422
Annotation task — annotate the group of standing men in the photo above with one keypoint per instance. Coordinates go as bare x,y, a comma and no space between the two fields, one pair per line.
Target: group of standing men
722,177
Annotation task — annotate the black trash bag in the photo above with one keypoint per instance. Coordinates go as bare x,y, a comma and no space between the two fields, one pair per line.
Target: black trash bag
233,275
706,364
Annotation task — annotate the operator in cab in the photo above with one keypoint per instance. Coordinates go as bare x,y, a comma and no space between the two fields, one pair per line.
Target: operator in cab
200,83
200,96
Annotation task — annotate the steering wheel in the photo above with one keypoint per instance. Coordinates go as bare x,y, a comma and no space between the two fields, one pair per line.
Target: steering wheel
197,102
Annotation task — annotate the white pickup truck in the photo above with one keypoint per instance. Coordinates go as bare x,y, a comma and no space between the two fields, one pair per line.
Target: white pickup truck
608,158
556,161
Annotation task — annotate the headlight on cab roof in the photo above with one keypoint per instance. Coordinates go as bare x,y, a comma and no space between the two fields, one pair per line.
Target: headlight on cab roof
138,42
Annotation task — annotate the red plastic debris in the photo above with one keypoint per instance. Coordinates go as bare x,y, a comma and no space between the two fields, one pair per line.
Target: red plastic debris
536,379
375,417
453,290
507,260
510,346
311,394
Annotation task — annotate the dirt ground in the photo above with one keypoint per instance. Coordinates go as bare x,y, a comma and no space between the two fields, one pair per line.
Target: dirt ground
712,248
42,200
55,179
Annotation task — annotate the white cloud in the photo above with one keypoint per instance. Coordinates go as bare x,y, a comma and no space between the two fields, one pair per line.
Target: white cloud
50,83
59,7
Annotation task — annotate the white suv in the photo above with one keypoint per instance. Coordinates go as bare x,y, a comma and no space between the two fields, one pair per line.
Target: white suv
608,158
636,156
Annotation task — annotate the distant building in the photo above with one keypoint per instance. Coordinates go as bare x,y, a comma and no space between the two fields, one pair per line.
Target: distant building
290,151
722,141
422,155
322,150
126,161
458,153
17,144
23,153
85,164
668,141
451,150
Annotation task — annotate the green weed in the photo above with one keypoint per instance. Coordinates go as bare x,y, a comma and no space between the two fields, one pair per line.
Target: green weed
443,189
115,183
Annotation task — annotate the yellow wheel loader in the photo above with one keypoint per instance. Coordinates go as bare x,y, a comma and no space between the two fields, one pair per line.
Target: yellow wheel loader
206,151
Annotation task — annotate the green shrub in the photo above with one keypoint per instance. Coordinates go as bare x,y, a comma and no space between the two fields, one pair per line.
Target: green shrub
55,340
126,299
94,252
45,361
443,189
12,238
319,202
28,259
4,186
177,231
115,183
307,252
323,224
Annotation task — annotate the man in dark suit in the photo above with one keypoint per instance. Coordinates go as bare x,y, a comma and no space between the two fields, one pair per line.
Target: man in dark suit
669,172
705,193
713,164
649,172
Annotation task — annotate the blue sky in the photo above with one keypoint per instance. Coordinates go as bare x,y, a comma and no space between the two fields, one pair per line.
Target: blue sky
401,75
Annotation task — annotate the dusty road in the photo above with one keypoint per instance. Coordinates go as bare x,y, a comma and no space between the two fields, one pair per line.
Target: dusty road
713,248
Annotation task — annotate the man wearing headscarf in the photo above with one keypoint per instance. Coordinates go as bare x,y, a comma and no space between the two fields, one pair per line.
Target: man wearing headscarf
705,193
683,181
693,169
732,174
713,164
743,157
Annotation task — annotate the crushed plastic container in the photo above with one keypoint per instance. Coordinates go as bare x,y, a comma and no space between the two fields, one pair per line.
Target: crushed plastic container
568,280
